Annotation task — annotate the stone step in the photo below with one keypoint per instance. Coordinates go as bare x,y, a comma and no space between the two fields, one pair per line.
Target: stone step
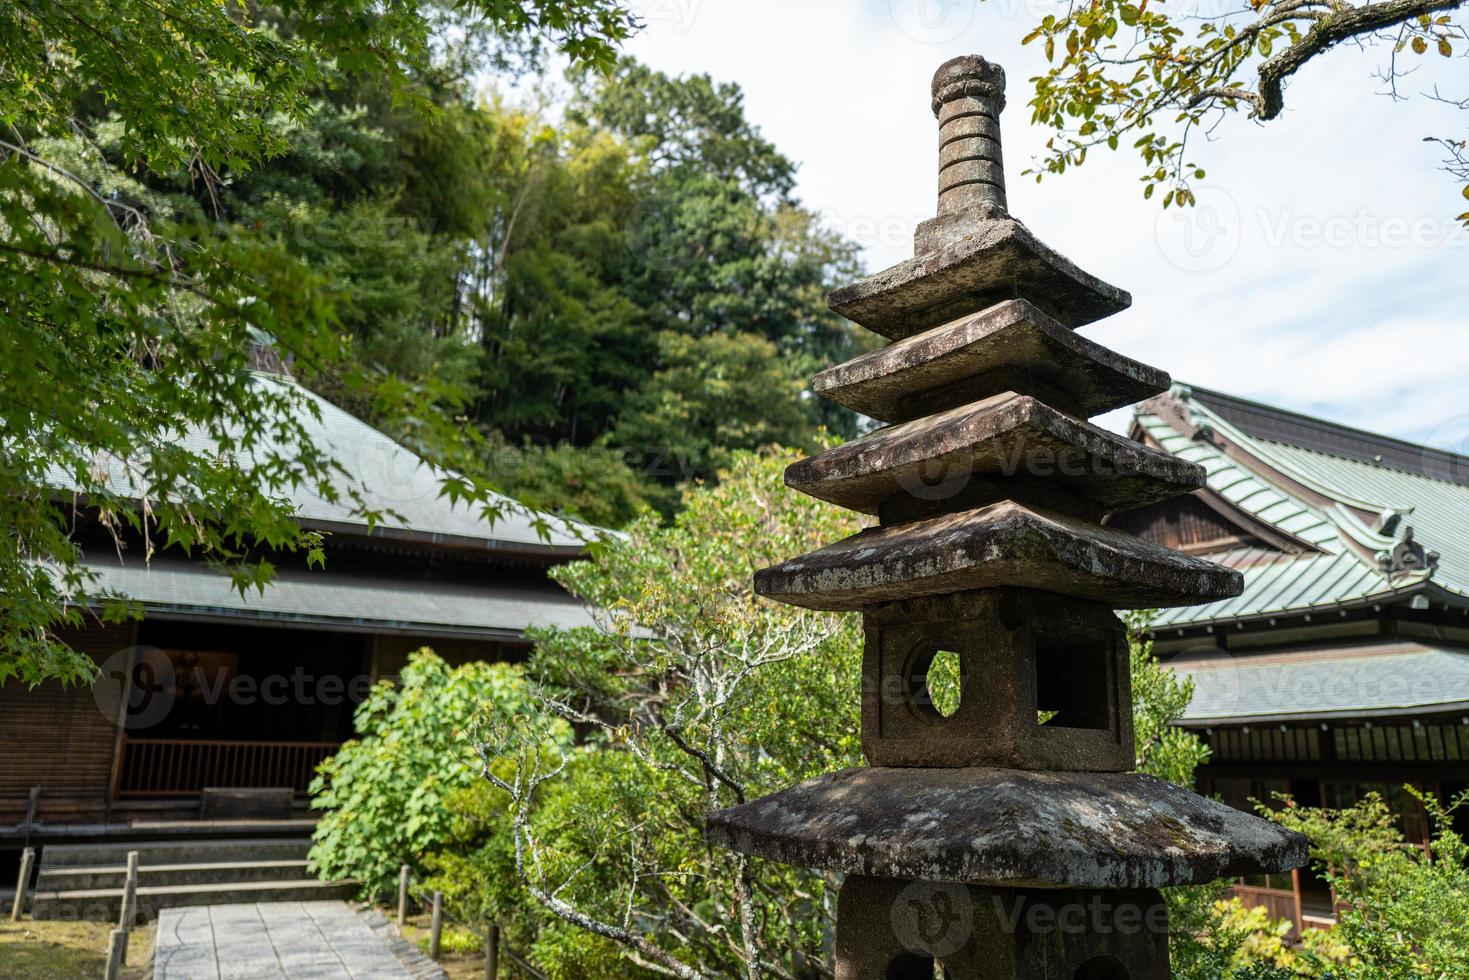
104,904
992,447
1009,346
68,878
213,851
996,259
1001,544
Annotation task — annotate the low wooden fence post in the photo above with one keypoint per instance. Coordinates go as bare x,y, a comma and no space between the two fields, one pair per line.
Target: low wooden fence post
129,902
117,946
23,883
402,895
492,953
436,927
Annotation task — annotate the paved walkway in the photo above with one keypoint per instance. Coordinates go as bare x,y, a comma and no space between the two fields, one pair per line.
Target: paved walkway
271,941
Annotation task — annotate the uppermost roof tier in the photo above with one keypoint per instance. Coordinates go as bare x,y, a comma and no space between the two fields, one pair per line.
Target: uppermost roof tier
972,253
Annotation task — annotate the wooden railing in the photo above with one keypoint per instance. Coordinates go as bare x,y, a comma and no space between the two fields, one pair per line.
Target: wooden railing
184,767
1279,903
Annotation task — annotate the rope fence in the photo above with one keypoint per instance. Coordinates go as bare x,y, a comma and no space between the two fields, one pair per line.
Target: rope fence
434,901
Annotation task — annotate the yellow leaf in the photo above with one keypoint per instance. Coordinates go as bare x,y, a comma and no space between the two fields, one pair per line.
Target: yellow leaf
1419,45
1444,48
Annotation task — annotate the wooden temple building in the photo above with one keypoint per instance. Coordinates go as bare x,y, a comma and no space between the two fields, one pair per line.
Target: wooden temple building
212,688
1343,667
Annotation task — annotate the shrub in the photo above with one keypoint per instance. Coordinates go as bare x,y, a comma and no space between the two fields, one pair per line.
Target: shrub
384,794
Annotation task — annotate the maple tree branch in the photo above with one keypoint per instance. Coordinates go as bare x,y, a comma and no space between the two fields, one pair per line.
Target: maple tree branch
1327,32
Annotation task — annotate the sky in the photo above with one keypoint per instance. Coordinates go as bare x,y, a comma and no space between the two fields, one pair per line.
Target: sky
1322,270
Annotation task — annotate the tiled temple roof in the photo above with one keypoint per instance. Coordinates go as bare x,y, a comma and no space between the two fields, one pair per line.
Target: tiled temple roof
1367,518
391,479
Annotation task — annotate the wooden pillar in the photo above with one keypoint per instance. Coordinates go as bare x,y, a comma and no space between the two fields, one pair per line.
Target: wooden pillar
119,747
117,946
402,895
1295,883
436,926
492,953
23,883
129,902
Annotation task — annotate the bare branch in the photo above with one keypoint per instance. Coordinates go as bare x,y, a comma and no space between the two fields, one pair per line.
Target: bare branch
1339,26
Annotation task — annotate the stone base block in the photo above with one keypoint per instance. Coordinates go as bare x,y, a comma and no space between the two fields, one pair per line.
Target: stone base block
897,930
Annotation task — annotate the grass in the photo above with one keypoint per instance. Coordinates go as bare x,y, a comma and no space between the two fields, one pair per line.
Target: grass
67,950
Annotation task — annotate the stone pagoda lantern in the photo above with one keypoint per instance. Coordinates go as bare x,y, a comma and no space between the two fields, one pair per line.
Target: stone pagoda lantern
1007,836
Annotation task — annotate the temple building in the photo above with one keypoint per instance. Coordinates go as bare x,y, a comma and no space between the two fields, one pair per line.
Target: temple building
1343,667
215,689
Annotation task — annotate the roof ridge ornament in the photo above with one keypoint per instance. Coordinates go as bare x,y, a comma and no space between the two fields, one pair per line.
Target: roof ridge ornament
1408,557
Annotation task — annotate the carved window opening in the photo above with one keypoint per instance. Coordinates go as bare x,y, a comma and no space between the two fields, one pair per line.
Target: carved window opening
912,966
1073,684
1101,968
936,682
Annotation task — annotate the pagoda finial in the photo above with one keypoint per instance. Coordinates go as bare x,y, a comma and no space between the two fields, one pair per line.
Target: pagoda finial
968,96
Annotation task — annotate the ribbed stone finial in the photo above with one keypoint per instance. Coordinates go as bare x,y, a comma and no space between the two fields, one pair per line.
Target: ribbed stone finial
968,95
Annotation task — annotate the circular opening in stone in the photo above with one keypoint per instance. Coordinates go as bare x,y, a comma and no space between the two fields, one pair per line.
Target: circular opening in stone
911,966
1101,968
941,685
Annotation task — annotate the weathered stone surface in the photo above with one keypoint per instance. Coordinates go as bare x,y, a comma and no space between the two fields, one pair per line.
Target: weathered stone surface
1020,652
896,930
1006,435
1012,346
1007,827
996,259
1001,544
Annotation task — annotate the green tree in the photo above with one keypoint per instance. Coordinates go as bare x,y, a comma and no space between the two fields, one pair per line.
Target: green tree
126,318
696,694
589,483
711,397
648,238
1126,73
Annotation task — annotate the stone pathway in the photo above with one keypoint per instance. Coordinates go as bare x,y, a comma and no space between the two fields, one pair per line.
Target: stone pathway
272,941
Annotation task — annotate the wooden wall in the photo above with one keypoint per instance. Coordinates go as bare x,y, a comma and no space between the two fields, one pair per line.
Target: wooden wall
63,739
1185,523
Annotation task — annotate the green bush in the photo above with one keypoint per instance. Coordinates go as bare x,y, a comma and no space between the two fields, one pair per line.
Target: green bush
1403,910
384,794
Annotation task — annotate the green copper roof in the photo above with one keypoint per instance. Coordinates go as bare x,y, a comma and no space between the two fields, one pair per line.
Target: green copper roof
1345,501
